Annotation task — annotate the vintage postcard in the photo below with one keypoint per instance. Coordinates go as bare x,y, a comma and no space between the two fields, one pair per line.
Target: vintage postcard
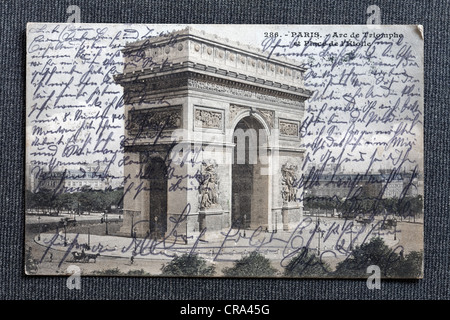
224,150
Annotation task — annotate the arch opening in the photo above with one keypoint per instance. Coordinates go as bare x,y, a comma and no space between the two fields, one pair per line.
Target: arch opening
250,188
156,174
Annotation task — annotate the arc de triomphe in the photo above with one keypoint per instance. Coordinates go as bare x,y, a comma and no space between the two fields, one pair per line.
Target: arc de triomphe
212,136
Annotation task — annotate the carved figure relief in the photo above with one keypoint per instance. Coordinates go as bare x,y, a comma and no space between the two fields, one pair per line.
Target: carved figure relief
288,128
208,119
235,110
269,115
238,92
208,186
146,122
288,182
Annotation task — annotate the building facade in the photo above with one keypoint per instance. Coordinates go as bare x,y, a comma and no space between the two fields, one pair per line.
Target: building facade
68,180
383,185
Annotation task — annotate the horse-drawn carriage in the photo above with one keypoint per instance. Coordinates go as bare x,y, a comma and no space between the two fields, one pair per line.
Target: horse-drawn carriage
32,266
364,221
84,257
384,224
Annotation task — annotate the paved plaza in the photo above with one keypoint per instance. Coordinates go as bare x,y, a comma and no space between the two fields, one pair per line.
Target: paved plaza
333,238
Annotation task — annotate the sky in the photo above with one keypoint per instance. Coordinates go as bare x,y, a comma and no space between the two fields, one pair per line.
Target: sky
366,111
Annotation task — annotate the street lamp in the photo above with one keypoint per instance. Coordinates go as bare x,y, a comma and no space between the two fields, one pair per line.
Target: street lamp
132,223
186,238
156,228
133,235
357,233
65,232
106,223
351,237
39,223
89,239
318,236
276,224
395,229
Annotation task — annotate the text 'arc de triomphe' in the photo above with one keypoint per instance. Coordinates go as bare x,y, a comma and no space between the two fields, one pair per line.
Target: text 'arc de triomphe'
212,132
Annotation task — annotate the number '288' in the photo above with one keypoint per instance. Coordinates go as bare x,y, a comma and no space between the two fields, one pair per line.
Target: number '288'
271,34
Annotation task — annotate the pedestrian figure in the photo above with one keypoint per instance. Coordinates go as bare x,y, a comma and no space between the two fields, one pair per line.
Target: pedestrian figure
51,256
132,259
28,253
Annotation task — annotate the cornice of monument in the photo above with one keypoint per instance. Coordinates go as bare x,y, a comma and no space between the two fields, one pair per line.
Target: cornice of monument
196,51
191,33
171,80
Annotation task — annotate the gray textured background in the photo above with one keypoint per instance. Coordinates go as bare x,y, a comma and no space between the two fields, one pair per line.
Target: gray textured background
434,15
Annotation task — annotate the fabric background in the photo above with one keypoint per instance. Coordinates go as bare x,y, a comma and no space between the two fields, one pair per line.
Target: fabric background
433,15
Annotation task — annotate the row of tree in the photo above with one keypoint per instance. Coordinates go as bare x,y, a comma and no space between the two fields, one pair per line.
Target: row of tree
352,207
392,263
83,202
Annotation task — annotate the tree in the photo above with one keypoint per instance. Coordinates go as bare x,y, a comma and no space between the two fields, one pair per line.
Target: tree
392,262
306,264
410,206
253,265
374,252
31,200
44,199
138,273
187,265
410,266
87,200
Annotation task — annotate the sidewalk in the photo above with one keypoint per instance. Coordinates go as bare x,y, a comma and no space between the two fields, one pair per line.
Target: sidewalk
42,219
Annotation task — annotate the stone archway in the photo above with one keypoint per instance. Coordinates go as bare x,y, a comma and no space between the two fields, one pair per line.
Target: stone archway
217,88
250,188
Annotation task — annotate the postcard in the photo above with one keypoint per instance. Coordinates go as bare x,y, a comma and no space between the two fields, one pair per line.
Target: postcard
281,151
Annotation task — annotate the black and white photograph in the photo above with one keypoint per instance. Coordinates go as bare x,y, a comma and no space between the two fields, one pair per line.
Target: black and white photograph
236,151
